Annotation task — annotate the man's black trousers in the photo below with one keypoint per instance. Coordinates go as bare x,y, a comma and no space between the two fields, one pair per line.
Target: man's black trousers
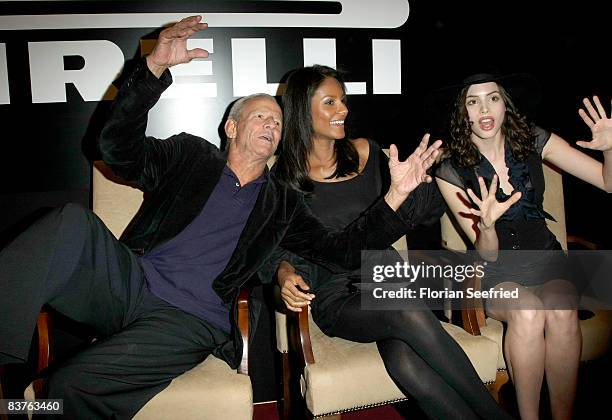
72,262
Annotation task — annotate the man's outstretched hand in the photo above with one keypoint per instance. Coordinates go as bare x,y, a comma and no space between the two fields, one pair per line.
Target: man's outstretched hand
171,46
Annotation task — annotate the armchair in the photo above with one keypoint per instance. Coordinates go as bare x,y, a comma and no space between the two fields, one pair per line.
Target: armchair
210,390
324,377
596,330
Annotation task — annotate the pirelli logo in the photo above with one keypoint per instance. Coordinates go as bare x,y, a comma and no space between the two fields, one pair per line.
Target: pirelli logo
343,14
101,60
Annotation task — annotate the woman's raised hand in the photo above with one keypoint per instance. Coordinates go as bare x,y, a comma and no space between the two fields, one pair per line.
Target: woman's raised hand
408,174
600,124
489,209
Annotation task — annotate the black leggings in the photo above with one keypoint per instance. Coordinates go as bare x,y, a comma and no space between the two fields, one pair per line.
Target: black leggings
421,358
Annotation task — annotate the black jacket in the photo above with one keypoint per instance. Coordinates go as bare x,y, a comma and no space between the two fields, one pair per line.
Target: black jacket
179,173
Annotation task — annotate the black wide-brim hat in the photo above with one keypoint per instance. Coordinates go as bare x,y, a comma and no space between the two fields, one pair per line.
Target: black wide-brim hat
524,90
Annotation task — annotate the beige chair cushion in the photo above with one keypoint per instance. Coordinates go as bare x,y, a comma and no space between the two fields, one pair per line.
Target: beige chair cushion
345,375
596,335
197,394
113,202
481,351
210,390
348,375
282,339
494,330
554,204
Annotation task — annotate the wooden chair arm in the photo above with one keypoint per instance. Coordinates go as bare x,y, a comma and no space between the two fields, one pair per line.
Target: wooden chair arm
470,320
45,344
472,310
296,354
243,327
572,239
298,330
303,330
45,347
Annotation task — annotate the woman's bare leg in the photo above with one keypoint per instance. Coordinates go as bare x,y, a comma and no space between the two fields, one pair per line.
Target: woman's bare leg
524,345
563,346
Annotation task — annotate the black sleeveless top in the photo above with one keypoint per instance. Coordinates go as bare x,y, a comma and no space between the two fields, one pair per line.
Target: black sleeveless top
523,226
339,203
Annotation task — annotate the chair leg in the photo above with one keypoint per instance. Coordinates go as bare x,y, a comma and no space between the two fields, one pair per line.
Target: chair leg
500,380
2,391
12,378
286,405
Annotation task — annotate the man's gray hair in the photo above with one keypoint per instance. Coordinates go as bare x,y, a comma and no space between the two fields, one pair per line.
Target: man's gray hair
236,109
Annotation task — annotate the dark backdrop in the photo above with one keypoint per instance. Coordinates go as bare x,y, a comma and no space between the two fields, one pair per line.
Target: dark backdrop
47,147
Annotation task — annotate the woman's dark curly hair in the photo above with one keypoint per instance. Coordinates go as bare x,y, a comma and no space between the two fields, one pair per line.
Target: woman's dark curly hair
515,128
292,166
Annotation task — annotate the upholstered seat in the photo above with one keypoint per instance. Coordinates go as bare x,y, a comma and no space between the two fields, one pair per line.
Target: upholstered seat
332,375
337,375
211,390
596,330
348,376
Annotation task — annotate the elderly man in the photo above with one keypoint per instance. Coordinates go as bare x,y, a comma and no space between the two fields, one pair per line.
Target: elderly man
160,298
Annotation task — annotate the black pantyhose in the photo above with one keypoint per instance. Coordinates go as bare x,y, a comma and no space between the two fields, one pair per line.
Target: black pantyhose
422,359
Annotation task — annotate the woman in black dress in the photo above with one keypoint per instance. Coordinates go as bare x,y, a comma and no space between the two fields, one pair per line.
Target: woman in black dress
493,144
343,178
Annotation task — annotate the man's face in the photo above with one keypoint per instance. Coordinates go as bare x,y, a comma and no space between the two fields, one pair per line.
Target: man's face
257,131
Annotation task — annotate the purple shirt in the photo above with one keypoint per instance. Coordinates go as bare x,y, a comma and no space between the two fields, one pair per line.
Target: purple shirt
181,271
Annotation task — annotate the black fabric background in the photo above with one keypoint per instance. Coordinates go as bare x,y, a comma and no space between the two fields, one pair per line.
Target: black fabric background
47,148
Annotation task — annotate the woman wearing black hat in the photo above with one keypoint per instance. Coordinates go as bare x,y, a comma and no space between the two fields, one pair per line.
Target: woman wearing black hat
494,145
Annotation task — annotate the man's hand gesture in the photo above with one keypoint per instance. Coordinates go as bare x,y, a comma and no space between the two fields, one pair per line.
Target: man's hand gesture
171,46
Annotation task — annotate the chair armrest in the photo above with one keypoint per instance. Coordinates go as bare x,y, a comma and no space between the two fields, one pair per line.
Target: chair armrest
572,239
303,332
243,327
472,310
45,347
298,329
45,344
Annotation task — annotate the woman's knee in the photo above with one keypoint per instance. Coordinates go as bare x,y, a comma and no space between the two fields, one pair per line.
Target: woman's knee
413,318
528,322
559,295
562,320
